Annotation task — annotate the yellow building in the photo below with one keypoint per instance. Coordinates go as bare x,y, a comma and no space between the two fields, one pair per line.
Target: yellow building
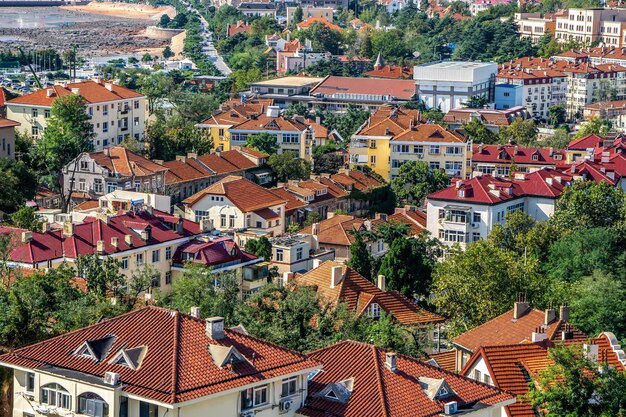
394,136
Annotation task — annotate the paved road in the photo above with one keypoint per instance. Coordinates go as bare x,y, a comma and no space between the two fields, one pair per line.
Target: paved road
208,48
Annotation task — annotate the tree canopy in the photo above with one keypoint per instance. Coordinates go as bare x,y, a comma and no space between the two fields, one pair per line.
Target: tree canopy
416,180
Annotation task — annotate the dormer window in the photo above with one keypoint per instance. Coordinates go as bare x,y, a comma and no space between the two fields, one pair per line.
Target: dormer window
535,157
96,349
442,392
331,395
462,193
373,310
131,358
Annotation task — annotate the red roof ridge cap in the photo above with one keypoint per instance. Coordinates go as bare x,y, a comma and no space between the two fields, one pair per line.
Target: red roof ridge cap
175,356
379,384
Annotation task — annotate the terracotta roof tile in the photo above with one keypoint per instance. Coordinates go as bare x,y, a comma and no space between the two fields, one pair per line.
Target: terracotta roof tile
340,86
90,91
127,163
445,360
8,122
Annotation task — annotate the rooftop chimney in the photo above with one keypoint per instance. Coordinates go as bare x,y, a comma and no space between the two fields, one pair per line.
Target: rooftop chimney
564,312
215,328
391,359
49,92
76,91
519,309
550,316
315,229
336,276
381,283
287,276
273,111
128,239
195,312
115,242
591,352
45,227
100,246
316,263
27,236
539,335
108,86
106,152
68,229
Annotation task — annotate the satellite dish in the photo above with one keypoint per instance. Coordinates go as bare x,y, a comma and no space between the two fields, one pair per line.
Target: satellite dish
416,54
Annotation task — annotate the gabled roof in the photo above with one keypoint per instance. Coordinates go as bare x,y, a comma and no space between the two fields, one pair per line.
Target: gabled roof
84,239
391,71
487,116
322,20
430,133
91,91
177,366
378,391
7,122
444,360
212,253
519,155
340,86
243,193
264,123
127,163
358,293
591,141
505,330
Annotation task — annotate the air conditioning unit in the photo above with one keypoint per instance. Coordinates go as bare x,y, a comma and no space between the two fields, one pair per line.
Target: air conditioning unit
42,409
450,408
286,404
246,414
111,378
475,225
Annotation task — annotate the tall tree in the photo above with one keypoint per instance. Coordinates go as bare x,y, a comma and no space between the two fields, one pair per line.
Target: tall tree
479,133
261,247
18,184
287,166
360,255
407,267
26,218
416,180
521,132
263,142
69,133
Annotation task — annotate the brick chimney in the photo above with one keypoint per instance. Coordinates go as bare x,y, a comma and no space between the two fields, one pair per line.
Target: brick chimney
539,335
564,312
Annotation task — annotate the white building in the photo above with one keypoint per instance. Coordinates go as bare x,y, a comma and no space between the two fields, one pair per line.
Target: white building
115,112
467,211
154,362
237,203
448,84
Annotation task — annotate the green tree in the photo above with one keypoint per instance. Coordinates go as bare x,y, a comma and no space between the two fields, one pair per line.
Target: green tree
473,286
407,267
574,385
521,132
366,50
476,102
164,21
390,44
69,133
287,166
18,184
26,218
322,38
416,180
587,204
556,115
524,236
594,125
360,256
297,109
327,163
145,58
103,275
263,142
261,247
479,133
389,231
298,16
167,52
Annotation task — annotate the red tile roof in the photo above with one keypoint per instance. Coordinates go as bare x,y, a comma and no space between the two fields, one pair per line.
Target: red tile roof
499,154
265,123
243,193
127,163
177,365
487,116
338,87
391,71
91,91
235,28
358,293
322,20
591,141
505,330
377,391
445,360
7,122
212,253
83,241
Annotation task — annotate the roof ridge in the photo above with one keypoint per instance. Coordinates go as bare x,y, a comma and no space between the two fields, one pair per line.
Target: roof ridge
379,382
175,356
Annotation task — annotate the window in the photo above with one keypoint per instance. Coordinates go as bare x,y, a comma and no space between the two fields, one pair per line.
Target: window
454,167
477,375
289,386
139,259
222,220
475,236
442,213
373,310
433,149
253,397
168,278
34,131
456,216
487,379
136,121
105,110
476,218
454,150
401,148
105,126
231,221
454,236
515,207
168,253
279,255
433,165
91,404
148,410
156,281
125,262
136,104
30,382
201,215
156,255
84,165
299,254
56,395
82,184
34,112
46,114
373,159
419,149
291,138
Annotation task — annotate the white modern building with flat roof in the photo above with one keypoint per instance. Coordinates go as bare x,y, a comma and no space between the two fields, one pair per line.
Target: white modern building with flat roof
448,84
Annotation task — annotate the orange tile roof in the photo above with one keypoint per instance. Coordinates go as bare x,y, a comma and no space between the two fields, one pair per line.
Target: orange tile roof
380,392
445,360
336,230
87,205
312,20
387,121
243,193
266,123
237,159
177,366
504,330
127,163
335,85
182,171
358,293
430,133
391,71
91,91
8,123
293,203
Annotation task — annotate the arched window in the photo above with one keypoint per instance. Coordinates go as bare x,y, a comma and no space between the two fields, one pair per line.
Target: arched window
56,395
93,405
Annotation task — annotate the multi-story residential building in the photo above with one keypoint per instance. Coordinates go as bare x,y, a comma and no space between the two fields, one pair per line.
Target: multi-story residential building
116,112
231,113
467,211
222,255
309,11
257,8
286,90
493,120
592,25
7,138
361,379
497,160
189,174
448,84
237,203
299,60
97,173
111,368
478,6
293,134
535,25
338,93
613,111
135,238
297,253
394,136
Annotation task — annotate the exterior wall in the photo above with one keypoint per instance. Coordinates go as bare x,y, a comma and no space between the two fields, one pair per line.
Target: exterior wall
508,95
303,148
590,25
112,121
373,151
481,367
307,12
532,25
449,162
7,142
91,178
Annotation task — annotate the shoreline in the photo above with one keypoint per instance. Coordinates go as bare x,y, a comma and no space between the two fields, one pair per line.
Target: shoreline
123,10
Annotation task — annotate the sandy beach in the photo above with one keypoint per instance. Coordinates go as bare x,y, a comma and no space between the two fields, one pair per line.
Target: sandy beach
124,10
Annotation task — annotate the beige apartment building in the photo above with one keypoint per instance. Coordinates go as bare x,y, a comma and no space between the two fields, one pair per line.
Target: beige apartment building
535,25
589,25
116,112
7,138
